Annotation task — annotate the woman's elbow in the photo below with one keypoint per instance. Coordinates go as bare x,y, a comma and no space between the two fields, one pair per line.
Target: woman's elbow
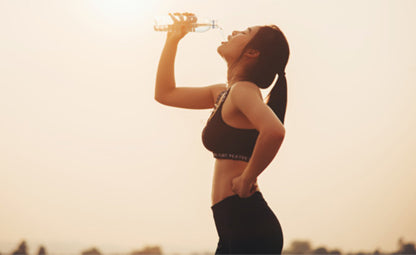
160,99
276,134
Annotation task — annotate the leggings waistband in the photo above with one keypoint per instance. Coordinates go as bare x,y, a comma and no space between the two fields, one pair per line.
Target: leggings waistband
234,198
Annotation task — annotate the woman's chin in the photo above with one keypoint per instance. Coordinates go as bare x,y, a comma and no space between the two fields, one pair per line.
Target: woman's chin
219,50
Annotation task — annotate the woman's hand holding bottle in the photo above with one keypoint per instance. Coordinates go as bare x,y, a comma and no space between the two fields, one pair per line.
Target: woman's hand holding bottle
180,26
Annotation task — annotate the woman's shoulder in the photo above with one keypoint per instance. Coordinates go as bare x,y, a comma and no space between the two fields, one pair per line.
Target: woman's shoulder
245,89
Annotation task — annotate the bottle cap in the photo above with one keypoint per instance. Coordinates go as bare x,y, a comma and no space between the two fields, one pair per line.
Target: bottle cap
214,23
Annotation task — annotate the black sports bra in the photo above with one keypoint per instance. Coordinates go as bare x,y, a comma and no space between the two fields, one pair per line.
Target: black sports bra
224,141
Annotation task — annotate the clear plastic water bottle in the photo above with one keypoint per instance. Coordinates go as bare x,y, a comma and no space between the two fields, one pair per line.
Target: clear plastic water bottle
164,24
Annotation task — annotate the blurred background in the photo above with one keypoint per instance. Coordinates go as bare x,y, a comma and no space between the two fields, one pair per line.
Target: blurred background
88,158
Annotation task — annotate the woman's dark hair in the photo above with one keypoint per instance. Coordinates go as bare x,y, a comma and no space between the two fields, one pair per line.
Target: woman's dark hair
274,55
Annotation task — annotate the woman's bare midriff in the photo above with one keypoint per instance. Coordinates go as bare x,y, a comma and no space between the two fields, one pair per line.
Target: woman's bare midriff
224,172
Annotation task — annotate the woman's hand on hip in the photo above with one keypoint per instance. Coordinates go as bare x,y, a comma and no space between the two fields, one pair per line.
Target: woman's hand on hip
180,26
242,187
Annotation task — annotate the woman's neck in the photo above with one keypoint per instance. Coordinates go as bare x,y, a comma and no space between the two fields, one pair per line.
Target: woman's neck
234,75
237,71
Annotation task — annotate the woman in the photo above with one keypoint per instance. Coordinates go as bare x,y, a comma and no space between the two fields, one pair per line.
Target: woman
243,132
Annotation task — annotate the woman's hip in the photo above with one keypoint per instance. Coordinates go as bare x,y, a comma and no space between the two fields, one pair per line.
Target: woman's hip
249,221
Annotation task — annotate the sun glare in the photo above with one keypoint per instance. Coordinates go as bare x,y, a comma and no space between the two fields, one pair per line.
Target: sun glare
123,10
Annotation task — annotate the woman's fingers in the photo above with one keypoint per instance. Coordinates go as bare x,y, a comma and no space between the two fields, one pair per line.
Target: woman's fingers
176,14
180,16
181,25
190,17
173,18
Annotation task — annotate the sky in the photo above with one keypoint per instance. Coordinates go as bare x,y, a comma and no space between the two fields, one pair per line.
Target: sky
89,158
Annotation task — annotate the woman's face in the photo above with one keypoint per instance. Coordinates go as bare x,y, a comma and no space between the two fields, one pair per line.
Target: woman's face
232,49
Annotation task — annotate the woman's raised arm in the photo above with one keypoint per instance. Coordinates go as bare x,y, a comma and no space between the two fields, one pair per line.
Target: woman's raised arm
166,91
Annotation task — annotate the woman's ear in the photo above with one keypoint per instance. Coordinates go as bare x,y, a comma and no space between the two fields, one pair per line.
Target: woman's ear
252,53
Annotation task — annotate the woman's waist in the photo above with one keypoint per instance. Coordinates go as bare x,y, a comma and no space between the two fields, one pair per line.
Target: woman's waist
225,171
230,166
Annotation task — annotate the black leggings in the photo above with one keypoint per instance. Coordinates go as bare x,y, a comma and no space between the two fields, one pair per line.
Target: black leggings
247,226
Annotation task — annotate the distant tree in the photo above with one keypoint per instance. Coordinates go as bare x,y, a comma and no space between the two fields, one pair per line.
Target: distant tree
335,252
408,248
405,248
320,250
362,253
148,250
299,247
22,249
92,251
400,242
42,250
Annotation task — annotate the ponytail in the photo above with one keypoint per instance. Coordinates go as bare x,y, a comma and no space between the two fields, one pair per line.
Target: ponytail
277,98
274,55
